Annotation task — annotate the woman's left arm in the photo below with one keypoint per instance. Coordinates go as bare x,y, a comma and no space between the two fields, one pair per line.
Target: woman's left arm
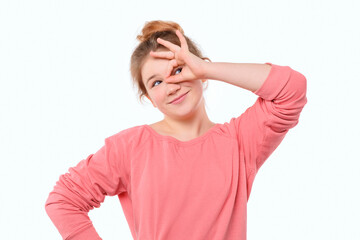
249,76
262,127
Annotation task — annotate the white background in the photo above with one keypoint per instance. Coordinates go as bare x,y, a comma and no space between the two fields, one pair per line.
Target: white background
66,86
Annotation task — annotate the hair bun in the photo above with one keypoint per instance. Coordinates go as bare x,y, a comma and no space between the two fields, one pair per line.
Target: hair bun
158,26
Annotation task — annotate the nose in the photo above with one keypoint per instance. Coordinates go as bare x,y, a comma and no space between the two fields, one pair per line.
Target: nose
172,88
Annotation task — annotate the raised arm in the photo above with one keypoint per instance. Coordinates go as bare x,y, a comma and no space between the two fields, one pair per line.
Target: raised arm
245,75
262,127
83,188
249,76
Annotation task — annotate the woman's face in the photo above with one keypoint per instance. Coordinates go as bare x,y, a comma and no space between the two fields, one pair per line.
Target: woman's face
161,93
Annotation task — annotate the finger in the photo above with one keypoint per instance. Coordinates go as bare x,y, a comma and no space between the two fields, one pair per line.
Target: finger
168,44
172,64
174,78
182,39
162,54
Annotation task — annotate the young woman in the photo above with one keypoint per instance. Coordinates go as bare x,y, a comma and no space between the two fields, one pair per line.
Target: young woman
183,177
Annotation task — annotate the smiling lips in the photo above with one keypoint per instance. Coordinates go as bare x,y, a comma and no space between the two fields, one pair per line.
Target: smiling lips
179,99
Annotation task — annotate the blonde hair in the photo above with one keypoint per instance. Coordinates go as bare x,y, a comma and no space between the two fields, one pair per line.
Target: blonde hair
150,32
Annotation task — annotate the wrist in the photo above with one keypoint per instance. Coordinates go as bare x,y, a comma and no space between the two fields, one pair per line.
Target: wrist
205,69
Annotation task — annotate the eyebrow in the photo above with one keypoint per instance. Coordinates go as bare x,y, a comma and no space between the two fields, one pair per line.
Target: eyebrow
155,75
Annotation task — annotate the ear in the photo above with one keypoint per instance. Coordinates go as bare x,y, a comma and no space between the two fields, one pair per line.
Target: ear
150,100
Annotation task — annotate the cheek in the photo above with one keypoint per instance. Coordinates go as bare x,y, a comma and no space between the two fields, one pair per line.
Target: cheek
198,87
157,96
157,99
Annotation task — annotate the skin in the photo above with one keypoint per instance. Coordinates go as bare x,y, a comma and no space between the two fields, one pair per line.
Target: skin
188,119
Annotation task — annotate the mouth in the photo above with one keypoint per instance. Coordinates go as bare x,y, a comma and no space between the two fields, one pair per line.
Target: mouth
179,99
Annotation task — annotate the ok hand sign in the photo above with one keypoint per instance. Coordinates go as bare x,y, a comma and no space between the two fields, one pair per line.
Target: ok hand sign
192,67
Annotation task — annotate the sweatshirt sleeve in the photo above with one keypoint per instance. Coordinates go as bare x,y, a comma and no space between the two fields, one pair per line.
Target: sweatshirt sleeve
83,188
262,127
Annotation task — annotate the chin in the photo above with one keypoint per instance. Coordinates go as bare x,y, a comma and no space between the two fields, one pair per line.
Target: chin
183,112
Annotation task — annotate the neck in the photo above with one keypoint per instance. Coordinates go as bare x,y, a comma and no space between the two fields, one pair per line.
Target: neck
192,126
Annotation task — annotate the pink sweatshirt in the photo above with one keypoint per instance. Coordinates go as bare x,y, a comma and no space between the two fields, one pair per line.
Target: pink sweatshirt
172,189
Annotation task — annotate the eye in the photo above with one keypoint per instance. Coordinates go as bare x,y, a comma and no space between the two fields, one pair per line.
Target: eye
155,82
178,70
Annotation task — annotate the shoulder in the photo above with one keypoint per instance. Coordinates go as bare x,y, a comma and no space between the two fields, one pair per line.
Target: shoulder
226,129
129,136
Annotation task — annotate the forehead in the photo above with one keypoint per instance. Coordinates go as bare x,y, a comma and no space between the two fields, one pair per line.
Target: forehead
153,66
150,63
